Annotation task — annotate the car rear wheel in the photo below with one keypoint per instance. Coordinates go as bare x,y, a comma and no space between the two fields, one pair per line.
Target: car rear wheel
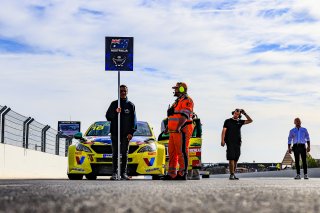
75,177
91,176
193,174
155,177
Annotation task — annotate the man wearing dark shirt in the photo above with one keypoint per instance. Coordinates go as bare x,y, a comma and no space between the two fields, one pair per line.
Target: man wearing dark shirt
127,128
231,135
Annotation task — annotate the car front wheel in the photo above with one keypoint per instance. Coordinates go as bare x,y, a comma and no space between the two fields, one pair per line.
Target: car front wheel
75,177
155,177
91,176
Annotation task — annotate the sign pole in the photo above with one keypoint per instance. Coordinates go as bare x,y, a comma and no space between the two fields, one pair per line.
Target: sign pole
118,57
119,126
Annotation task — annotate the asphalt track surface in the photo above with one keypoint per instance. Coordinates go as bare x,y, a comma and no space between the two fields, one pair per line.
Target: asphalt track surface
216,194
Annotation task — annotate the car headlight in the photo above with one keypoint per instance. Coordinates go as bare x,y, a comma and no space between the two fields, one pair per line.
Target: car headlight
74,141
81,147
148,148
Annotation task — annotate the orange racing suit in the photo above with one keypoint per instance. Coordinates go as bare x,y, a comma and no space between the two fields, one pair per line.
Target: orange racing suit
178,146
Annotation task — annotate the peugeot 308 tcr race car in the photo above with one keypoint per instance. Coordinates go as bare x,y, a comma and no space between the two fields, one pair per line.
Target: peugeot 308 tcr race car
91,155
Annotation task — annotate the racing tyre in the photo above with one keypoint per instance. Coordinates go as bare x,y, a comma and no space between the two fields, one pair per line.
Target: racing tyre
91,176
193,174
155,177
75,177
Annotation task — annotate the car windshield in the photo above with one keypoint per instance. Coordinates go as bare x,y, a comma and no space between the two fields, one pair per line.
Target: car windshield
103,129
143,129
99,129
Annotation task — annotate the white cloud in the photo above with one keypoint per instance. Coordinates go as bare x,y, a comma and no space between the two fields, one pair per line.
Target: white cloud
209,48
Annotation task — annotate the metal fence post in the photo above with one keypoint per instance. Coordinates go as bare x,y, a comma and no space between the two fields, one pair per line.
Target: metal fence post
1,110
24,132
57,144
68,142
43,138
27,132
66,148
3,123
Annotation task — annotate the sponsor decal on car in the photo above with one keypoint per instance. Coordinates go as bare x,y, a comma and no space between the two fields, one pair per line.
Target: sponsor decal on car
194,149
152,169
105,140
78,152
152,153
196,163
78,169
107,155
88,142
80,160
90,157
149,162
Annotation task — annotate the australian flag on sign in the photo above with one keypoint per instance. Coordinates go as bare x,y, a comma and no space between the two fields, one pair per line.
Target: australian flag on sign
119,53
119,44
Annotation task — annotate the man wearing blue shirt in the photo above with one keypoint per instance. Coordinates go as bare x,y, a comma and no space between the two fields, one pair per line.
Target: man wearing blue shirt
299,136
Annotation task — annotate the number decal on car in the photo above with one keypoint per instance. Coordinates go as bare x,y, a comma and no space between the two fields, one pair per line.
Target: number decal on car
98,127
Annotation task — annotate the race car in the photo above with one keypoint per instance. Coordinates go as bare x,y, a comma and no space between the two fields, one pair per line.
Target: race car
91,155
194,147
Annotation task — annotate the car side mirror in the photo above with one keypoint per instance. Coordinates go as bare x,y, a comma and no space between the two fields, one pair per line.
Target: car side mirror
78,135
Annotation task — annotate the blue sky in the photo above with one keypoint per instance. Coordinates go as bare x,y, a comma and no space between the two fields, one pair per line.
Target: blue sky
9,45
262,56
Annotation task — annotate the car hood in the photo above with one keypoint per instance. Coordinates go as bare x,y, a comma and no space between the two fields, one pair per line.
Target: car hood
107,139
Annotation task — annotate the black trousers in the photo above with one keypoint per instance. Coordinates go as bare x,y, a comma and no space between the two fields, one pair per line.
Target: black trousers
300,149
124,145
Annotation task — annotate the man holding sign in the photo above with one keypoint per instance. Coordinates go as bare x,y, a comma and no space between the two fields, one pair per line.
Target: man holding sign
127,128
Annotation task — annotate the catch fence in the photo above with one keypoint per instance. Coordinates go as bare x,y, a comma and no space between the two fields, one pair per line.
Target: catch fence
22,131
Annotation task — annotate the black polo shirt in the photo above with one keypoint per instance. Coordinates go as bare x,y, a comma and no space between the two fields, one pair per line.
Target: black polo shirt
233,133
